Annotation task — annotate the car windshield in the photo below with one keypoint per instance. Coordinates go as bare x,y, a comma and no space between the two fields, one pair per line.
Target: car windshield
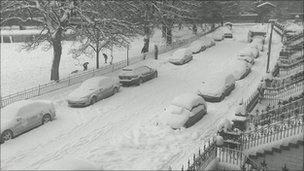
89,85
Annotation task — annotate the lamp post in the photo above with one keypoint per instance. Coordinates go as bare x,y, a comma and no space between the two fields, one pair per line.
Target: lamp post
269,44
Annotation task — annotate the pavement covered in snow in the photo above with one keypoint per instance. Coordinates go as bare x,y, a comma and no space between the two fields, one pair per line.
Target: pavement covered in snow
121,132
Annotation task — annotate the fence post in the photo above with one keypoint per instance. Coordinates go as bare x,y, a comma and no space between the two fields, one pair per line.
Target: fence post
38,89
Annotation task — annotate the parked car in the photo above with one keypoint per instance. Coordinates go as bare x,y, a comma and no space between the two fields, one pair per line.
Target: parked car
197,47
181,56
246,59
208,41
238,68
92,90
216,88
248,51
219,36
227,32
23,116
136,75
184,111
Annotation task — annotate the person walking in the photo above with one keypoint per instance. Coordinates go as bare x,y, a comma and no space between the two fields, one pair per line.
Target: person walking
155,52
105,57
85,66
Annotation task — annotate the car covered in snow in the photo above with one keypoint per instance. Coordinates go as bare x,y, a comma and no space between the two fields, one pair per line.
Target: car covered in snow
92,90
197,47
218,36
181,56
217,87
248,51
238,68
247,59
227,32
136,75
184,111
23,116
208,41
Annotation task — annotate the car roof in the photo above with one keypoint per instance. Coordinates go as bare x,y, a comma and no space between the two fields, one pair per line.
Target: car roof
188,100
12,110
134,67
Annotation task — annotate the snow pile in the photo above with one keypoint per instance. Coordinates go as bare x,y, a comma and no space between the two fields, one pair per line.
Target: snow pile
70,163
247,51
238,68
196,46
178,112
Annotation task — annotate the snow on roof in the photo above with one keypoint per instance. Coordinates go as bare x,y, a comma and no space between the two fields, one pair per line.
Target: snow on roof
237,68
188,100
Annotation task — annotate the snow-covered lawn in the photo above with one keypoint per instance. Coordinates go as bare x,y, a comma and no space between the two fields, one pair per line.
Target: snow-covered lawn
22,70
120,132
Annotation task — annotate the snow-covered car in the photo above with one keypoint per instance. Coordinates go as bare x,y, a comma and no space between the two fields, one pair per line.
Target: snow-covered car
92,90
23,116
136,75
184,111
239,68
227,32
248,51
216,88
71,164
208,41
197,47
246,59
181,56
219,36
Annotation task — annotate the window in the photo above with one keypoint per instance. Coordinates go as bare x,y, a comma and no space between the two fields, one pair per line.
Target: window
6,39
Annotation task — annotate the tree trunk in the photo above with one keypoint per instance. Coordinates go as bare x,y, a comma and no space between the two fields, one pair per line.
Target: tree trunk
145,48
97,55
169,35
164,31
57,54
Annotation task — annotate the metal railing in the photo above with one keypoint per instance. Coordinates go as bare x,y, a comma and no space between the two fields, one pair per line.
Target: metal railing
78,78
273,132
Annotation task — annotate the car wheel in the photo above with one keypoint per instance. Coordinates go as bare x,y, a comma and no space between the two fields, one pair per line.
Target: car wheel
140,81
6,135
46,118
115,90
93,100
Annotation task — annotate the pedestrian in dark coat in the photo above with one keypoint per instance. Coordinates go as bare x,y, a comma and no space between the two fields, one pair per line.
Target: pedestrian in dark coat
105,57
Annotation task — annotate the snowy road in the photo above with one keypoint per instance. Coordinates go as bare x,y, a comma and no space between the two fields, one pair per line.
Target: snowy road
120,132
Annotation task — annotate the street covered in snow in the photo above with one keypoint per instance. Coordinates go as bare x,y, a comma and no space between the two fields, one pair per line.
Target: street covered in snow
124,131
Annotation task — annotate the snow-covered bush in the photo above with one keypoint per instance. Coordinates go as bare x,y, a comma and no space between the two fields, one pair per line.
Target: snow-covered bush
184,111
